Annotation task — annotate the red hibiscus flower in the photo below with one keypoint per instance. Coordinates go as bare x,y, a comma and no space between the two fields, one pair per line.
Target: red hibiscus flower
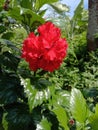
45,51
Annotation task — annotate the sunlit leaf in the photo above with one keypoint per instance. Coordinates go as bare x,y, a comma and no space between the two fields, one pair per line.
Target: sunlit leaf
94,119
78,10
61,116
44,125
59,7
30,16
78,106
4,122
36,96
15,13
40,3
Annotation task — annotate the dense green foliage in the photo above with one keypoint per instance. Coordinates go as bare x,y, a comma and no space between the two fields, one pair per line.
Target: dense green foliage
66,99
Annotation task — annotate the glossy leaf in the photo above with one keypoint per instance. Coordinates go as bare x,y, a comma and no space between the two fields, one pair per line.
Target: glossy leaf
78,10
40,3
6,61
18,117
10,89
36,96
44,125
60,7
78,106
94,119
61,97
25,16
61,116
31,16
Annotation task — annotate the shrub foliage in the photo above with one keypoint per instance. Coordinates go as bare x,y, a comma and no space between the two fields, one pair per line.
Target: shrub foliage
66,99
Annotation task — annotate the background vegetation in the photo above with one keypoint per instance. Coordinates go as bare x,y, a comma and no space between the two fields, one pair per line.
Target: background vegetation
66,99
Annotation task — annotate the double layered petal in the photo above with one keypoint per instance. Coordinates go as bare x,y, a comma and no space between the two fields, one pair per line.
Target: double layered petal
45,51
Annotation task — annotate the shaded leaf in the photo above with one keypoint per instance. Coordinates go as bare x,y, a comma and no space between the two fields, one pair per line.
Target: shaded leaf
1,114
8,35
26,4
10,89
9,44
42,12
9,60
2,28
18,117
42,84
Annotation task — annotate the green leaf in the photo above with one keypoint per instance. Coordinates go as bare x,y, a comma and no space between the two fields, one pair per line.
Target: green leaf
9,44
36,96
15,13
94,119
60,7
61,116
4,122
23,3
9,60
30,17
1,114
61,97
8,35
26,4
78,106
10,88
42,84
78,10
25,16
2,2
40,3
2,28
44,125
18,117
42,12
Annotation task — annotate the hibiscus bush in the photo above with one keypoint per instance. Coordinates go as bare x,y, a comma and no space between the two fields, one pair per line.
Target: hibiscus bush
46,82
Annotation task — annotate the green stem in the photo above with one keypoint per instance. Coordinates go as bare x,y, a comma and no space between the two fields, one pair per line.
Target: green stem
34,73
